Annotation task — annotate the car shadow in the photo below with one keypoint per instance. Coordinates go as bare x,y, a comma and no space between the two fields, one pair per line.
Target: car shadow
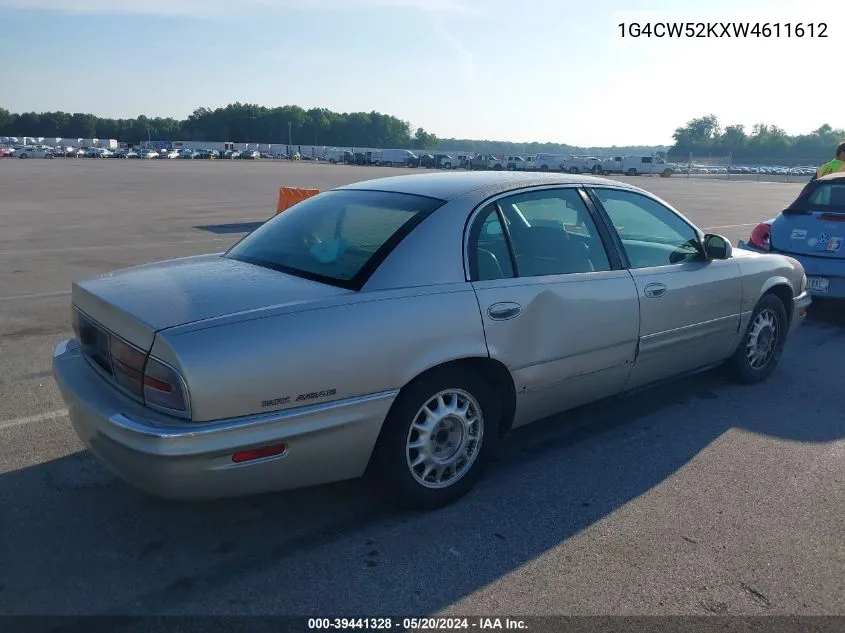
827,311
77,540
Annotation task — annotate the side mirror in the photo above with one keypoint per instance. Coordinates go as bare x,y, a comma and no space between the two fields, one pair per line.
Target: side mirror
717,247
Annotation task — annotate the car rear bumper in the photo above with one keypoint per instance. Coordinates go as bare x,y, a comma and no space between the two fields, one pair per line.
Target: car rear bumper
833,270
183,460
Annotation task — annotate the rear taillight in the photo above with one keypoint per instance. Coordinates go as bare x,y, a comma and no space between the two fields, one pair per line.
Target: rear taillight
761,236
164,388
127,366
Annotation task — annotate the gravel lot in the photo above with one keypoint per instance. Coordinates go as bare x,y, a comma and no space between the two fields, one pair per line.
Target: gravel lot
698,497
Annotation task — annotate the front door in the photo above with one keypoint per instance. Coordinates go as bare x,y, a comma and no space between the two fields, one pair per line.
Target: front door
557,312
690,306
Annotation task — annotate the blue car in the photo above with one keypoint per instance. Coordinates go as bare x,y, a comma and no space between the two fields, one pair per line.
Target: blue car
812,230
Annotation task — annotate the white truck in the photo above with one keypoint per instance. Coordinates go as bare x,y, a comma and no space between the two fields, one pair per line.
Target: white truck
392,157
550,162
634,165
580,164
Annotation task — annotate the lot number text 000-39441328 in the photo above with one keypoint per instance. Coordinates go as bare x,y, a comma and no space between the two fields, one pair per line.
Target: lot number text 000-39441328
723,29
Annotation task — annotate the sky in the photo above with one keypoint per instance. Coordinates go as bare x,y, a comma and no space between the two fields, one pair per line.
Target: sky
513,70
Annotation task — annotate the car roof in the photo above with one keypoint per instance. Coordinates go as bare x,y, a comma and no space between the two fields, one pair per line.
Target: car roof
834,176
451,185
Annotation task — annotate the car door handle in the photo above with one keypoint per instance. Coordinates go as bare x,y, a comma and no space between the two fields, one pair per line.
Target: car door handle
653,291
503,311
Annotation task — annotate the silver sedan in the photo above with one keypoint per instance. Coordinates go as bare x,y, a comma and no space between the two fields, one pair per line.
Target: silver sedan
403,327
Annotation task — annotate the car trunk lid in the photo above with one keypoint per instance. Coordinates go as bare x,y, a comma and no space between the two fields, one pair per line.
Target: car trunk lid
135,303
815,233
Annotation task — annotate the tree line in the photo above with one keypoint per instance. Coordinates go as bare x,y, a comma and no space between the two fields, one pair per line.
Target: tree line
704,136
247,123
237,122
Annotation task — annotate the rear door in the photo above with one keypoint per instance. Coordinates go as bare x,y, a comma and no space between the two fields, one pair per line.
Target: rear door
559,311
690,306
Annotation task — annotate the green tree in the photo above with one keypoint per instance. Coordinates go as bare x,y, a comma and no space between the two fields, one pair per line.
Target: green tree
424,140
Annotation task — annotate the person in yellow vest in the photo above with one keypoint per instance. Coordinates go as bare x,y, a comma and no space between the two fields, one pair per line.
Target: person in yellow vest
836,165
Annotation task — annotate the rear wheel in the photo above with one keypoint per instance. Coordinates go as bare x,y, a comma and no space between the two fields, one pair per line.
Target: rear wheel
437,438
760,349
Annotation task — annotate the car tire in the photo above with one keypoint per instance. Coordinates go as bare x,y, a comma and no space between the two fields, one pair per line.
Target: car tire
465,413
23,156
769,321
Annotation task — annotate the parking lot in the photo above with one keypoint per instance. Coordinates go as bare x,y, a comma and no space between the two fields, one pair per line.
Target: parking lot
698,497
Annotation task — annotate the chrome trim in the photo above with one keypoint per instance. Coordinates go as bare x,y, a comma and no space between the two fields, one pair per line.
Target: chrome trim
187,413
803,300
222,426
683,328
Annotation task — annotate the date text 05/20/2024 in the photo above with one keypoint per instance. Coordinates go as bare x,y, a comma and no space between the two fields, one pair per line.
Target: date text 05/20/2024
418,624
724,29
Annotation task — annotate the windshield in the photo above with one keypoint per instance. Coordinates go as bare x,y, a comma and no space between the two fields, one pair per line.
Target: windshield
337,237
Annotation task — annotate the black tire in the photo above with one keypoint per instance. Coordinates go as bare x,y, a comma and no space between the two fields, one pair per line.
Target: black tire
391,455
739,367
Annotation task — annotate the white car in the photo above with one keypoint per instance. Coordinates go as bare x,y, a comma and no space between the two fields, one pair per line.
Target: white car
33,152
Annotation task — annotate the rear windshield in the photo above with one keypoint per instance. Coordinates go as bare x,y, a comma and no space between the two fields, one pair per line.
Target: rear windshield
822,196
336,237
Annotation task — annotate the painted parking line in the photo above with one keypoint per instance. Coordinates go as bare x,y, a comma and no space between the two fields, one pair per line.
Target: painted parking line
37,295
32,419
71,249
730,226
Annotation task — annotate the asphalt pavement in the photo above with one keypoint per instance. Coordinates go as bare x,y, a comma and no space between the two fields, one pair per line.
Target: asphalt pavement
696,497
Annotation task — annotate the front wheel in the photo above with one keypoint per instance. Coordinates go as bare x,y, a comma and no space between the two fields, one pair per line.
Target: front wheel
761,346
437,438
